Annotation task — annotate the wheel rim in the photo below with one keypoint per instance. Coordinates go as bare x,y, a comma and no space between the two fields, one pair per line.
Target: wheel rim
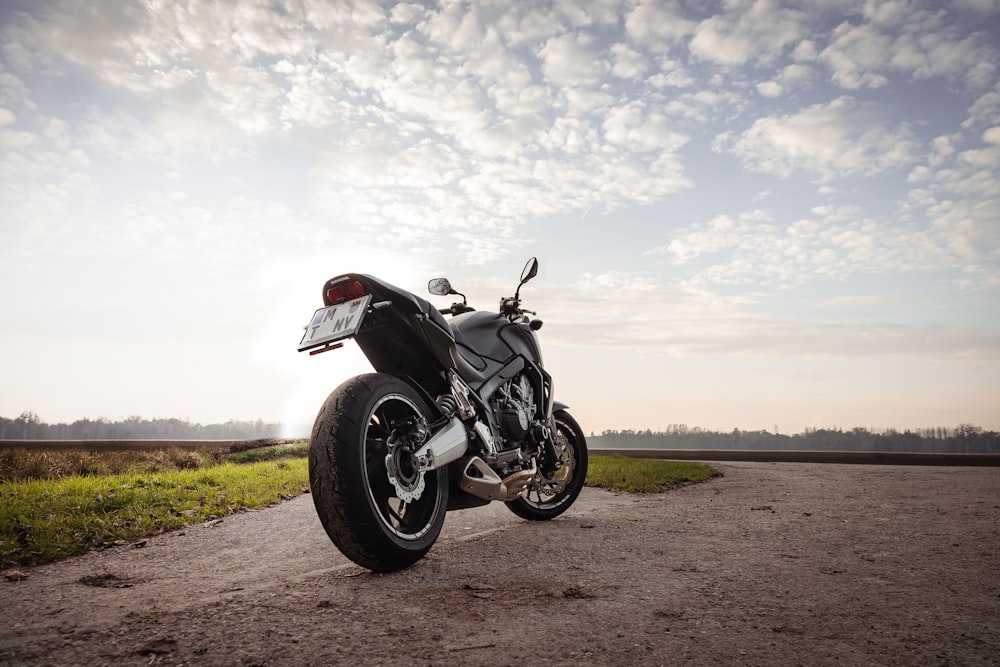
546,492
406,520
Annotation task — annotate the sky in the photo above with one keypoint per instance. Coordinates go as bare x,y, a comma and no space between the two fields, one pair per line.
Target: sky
747,214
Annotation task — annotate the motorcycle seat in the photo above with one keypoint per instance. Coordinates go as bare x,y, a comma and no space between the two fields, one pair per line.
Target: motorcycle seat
413,302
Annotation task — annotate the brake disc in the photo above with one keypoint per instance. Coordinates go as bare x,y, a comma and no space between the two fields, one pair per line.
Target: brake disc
403,474
551,486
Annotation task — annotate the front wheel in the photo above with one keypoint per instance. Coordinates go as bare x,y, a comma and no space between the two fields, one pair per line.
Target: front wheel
377,508
548,497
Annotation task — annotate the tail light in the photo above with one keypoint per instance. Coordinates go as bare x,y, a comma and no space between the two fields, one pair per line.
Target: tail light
347,291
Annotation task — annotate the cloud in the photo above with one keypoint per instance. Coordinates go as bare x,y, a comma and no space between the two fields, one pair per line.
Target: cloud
628,63
980,6
645,313
756,31
572,60
484,118
613,283
759,249
834,140
920,43
985,111
635,127
418,116
770,89
657,26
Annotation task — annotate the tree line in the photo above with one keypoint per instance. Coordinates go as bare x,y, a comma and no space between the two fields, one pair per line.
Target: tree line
29,426
963,439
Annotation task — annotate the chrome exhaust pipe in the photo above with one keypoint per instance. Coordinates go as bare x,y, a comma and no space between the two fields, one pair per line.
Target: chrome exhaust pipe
445,446
486,484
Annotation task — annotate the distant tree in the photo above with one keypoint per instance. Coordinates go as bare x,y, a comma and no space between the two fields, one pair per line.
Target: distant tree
966,438
29,426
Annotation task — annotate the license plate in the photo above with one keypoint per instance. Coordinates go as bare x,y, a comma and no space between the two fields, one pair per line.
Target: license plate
334,323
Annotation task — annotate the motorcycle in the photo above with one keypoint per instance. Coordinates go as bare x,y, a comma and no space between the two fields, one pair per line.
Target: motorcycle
459,413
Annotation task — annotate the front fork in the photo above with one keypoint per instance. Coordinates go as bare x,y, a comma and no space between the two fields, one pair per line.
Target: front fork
546,434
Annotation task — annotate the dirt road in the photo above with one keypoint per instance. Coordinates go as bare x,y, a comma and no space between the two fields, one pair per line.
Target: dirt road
771,564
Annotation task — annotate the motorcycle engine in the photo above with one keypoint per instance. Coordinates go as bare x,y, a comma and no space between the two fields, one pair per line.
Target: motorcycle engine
514,408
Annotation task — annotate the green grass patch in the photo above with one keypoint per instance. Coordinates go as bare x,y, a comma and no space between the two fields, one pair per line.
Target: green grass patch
45,520
644,475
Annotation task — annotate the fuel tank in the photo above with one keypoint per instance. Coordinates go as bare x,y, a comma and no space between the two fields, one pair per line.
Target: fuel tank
487,339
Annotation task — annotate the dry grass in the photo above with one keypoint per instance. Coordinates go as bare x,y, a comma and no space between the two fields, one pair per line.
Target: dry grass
17,465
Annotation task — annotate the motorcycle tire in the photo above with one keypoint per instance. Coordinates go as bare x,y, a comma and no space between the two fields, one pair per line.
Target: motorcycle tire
358,504
544,499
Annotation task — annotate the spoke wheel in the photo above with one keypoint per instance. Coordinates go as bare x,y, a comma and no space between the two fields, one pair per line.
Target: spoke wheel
409,519
376,507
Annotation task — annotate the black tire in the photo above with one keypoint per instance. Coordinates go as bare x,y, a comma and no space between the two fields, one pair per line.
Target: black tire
544,498
357,503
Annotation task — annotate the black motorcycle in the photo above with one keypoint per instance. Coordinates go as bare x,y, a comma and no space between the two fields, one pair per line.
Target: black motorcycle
459,413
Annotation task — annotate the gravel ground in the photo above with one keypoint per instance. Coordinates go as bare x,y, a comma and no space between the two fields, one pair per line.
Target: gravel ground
774,563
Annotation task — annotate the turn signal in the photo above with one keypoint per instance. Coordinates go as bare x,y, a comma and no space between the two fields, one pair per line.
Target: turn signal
345,292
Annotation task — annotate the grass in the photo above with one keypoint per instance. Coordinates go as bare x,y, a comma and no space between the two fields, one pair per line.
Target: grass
294,450
45,520
17,465
644,475
59,504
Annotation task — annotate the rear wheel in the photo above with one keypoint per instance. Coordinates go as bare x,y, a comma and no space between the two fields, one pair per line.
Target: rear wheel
548,497
378,509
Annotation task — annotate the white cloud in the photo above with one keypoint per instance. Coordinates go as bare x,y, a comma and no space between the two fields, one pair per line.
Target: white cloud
657,26
407,13
580,14
985,110
834,243
770,89
573,60
640,312
613,284
750,31
525,26
832,140
635,127
572,136
899,38
246,96
992,135
856,55
671,74
708,104
958,192
628,63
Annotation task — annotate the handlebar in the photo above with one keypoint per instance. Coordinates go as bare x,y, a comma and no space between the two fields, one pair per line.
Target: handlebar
456,309
512,308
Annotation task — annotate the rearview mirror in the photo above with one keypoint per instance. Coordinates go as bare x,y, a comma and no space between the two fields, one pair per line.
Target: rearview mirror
440,287
530,270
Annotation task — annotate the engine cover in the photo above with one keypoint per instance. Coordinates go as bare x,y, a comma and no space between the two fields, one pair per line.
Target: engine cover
513,422
514,411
